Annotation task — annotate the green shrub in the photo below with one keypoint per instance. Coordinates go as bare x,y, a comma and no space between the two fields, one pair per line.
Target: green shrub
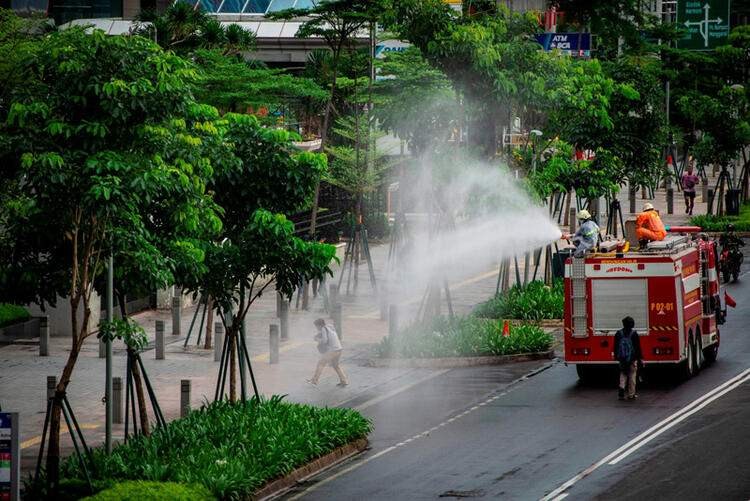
231,449
463,336
719,223
153,491
11,314
536,301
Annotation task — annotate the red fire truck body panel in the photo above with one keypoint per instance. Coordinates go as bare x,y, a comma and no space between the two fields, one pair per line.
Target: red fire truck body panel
672,294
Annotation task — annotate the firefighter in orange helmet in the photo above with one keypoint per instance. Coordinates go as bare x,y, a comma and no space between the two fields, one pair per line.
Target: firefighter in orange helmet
648,226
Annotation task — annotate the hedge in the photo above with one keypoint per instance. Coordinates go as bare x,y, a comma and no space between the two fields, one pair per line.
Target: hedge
535,301
461,337
153,491
12,314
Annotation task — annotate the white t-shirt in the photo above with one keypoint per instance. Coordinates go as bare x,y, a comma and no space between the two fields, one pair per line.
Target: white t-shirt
328,334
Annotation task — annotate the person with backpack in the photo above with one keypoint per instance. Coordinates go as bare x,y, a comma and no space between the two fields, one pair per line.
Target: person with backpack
329,347
628,353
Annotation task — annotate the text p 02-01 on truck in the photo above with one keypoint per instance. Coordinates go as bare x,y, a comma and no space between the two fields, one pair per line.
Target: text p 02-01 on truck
671,289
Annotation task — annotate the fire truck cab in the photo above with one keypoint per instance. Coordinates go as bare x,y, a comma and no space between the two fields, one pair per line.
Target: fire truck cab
671,289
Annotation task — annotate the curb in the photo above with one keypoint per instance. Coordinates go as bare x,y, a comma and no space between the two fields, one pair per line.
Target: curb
280,486
453,362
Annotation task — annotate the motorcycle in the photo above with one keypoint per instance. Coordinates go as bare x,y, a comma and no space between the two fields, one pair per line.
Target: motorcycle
730,262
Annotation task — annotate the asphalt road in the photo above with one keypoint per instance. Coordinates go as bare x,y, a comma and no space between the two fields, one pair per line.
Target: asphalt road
483,433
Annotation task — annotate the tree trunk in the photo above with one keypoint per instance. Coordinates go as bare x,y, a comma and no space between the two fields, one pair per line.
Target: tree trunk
53,446
483,134
232,365
142,410
210,322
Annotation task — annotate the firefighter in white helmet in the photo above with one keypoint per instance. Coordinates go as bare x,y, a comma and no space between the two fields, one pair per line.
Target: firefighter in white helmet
587,236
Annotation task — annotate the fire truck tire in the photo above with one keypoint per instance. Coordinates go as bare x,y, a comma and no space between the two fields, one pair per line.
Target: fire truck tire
585,372
710,353
698,353
687,368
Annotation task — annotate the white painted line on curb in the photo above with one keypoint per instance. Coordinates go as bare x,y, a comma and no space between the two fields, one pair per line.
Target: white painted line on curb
707,398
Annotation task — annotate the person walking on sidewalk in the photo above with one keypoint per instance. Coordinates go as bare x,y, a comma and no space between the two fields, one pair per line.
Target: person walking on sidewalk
329,346
628,353
688,182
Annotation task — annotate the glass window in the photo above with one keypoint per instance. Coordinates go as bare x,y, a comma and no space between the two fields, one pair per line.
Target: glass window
305,4
232,6
210,5
277,5
257,6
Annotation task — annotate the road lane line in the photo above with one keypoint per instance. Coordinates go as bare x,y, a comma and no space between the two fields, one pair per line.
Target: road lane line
583,474
678,420
36,440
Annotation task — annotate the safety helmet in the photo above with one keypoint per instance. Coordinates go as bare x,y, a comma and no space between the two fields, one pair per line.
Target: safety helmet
648,206
584,214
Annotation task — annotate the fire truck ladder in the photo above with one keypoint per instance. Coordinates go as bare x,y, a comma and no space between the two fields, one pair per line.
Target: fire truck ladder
578,281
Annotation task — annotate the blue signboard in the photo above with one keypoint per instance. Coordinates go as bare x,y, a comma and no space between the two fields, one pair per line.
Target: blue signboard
10,458
575,44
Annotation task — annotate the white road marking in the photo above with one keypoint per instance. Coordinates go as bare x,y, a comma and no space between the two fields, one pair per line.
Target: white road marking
654,431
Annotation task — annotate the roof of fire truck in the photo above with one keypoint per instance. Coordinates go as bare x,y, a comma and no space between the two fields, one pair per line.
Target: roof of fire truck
671,245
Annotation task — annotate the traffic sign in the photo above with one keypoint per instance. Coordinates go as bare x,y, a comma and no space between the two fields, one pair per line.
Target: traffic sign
706,22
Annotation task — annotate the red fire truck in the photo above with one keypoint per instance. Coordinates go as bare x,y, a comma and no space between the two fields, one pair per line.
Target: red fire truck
671,289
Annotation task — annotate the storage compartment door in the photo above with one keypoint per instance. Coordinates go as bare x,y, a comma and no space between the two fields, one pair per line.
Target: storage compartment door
615,299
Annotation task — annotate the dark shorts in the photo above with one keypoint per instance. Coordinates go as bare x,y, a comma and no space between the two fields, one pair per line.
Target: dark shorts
689,194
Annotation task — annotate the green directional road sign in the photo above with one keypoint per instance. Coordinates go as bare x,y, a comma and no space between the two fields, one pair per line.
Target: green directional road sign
706,22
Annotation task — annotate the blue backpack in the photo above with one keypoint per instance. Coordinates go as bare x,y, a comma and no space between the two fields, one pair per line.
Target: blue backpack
625,348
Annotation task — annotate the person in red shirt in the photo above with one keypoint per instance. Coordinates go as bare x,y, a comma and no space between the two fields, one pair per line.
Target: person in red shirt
688,183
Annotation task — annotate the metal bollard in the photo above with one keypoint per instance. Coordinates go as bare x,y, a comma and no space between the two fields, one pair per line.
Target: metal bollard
631,199
392,320
594,207
273,340
284,320
117,400
704,190
184,397
710,202
51,386
176,315
336,314
218,340
279,300
44,336
159,340
333,293
670,200
572,220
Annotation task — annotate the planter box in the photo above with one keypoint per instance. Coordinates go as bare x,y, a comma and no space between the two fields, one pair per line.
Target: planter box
22,330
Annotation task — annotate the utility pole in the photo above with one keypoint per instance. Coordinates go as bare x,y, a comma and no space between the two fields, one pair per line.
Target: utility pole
108,360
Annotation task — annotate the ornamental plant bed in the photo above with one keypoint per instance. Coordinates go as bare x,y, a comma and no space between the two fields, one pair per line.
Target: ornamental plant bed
535,302
463,337
231,449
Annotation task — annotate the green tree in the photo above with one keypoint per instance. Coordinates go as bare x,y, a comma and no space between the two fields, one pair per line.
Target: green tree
414,100
93,135
257,248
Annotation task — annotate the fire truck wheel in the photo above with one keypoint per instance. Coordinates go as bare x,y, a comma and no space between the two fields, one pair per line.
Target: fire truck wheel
687,368
588,373
698,352
710,353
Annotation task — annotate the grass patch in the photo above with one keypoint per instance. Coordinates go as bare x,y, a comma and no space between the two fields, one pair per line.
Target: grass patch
536,301
146,491
719,223
463,337
230,449
12,314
